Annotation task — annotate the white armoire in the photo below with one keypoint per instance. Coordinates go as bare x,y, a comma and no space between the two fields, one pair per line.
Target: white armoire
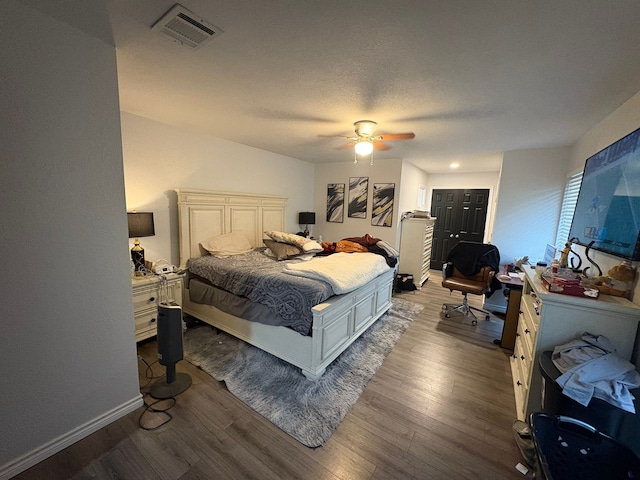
415,248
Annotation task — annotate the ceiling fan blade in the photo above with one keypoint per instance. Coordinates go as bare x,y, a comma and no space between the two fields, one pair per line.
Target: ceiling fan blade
397,136
380,146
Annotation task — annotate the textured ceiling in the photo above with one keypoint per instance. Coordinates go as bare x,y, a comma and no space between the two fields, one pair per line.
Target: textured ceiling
472,79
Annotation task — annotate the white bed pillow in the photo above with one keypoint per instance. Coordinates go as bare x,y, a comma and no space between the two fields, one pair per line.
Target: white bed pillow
312,247
227,244
306,244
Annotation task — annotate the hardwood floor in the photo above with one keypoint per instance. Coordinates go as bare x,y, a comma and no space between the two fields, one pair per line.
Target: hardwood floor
440,407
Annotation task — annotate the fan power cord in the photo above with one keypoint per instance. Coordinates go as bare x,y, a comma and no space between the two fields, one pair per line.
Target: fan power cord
152,407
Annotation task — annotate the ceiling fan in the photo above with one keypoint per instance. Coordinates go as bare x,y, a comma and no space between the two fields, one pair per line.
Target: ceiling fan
364,141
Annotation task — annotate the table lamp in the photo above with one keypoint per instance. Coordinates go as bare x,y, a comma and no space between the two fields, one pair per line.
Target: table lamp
306,218
140,225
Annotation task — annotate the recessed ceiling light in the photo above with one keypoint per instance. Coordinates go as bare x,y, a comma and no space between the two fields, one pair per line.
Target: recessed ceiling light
454,165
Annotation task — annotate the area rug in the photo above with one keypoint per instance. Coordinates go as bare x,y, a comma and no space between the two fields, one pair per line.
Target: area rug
308,411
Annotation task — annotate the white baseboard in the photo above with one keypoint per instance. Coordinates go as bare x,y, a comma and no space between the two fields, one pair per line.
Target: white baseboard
29,459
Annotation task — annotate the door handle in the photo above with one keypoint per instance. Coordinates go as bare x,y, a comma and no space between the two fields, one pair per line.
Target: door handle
456,236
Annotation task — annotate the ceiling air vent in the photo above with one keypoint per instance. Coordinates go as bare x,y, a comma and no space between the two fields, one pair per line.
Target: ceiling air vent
186,27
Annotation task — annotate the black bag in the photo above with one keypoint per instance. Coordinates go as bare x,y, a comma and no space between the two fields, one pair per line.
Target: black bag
404,282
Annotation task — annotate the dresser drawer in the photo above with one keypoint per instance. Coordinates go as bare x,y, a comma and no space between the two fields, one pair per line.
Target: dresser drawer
531,306
145,298
146,324
151,295
524,352
146,319
527,331
519,386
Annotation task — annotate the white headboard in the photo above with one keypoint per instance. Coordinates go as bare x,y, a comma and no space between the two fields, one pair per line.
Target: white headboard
203,214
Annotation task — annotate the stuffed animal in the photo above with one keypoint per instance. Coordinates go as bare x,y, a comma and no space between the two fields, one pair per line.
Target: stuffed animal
619,279
522,261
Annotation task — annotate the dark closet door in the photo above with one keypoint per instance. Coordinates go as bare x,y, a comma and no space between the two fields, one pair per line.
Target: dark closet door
460,214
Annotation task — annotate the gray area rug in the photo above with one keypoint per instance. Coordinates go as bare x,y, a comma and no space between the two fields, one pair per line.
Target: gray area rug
308,411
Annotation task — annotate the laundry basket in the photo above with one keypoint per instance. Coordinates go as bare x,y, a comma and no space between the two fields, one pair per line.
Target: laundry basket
570,449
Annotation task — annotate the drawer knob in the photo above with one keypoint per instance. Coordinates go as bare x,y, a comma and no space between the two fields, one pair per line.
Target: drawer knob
153,320
518,383
521,357
517,334
152,299
526,330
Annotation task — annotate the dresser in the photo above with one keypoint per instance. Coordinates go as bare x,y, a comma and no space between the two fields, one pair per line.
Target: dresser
148,292
550,319
415,248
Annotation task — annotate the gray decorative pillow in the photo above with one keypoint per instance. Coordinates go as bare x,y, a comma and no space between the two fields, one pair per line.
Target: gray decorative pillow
282,251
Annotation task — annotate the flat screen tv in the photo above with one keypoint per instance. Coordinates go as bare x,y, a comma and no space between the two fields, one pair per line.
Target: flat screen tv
607,215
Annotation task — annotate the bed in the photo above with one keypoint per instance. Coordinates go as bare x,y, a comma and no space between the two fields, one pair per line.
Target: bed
336,322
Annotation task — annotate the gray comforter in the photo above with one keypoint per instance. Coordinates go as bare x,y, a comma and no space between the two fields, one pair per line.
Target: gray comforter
260,278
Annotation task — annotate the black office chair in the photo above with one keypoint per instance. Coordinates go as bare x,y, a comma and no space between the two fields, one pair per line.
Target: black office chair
471,267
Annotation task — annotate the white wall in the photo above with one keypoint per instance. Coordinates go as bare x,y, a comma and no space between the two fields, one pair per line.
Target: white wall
412,179
615,126
528,208
159,158
383,171
621,122
67,347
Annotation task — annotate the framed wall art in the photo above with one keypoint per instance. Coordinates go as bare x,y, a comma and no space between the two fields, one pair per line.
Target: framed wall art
358,193
382,208
335,202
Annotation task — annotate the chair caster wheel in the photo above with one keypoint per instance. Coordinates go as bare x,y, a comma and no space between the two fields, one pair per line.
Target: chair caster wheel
487,318
446,315
474,322
444,307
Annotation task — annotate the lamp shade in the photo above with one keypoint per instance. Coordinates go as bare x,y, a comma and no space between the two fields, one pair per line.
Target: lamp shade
364,147
141,224
307,218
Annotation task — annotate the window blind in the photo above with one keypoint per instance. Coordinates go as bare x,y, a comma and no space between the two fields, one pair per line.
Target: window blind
571,190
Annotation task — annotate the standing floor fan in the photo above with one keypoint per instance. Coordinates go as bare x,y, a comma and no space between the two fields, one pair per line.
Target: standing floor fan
170,352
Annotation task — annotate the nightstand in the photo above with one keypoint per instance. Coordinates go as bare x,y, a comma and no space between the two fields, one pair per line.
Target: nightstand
148,292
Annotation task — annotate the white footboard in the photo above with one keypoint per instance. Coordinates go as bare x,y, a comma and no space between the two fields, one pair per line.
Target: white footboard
337,323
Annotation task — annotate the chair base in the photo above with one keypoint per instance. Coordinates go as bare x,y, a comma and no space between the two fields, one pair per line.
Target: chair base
465,308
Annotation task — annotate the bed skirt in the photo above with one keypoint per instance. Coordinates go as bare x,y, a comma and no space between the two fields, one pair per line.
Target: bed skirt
337,323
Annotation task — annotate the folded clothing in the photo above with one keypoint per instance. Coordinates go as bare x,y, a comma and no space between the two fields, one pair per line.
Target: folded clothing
591,367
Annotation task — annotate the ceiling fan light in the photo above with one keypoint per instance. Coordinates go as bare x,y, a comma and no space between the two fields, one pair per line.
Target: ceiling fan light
364,147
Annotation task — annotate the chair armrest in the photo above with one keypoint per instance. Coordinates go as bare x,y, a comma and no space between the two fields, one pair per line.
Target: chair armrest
486,274
447,270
